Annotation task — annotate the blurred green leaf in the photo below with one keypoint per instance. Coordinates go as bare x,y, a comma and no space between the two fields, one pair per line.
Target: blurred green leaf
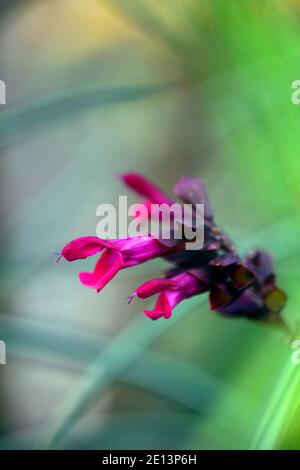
177,381
26,117
277,413
119,354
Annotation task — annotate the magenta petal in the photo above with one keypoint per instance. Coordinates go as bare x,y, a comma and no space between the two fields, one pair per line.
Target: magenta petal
187,283
140,248
145,188
172,291
154,286
165,303
106,268
163,308
82,247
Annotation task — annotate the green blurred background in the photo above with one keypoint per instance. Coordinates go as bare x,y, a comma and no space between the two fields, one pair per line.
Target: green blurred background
166,88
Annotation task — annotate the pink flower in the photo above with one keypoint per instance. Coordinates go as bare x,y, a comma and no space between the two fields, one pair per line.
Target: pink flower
171,291
145,188
108,265
150,193
81,248
117,254
237,287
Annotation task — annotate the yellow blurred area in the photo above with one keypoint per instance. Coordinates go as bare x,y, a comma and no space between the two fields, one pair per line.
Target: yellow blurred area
75,26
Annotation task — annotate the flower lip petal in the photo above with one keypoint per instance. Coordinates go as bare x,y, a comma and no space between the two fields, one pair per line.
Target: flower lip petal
106,268
183,286
164,305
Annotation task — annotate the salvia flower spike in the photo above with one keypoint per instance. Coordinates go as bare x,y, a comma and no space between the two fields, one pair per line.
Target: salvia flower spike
236,286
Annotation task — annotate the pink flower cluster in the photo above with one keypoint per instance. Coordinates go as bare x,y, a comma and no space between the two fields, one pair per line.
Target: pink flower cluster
236,287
